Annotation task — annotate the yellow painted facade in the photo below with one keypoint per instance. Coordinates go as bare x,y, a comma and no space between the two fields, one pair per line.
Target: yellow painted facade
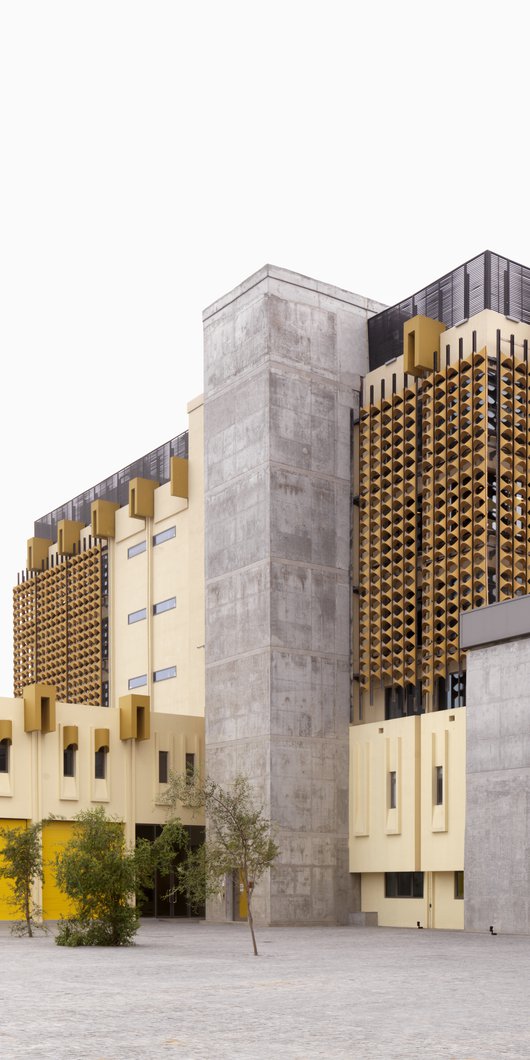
36,789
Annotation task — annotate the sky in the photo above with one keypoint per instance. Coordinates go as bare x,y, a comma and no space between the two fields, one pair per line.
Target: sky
154,154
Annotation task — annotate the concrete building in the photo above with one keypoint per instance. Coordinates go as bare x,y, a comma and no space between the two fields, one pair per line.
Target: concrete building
296,573
283,359
497,846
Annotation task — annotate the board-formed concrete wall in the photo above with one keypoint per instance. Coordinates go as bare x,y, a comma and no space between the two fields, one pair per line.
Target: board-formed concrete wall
283,358
497,846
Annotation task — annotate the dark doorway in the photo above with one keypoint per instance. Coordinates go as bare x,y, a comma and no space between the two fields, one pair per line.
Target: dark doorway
159,901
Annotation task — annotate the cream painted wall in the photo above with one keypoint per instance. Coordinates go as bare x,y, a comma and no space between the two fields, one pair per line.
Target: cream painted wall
443,743
381,838
417,834
437,909
173,568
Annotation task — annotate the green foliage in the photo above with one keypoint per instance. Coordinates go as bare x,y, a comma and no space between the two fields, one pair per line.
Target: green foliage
21,866
99,875
239,840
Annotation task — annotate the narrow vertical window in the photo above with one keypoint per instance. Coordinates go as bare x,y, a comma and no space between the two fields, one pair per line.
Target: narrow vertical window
4,756
163,767
392,796
69,760
190,768
100,764
439,782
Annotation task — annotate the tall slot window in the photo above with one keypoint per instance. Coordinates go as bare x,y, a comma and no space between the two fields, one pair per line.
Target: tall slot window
439,785
100,764
69,760
4,756
392,789
190,768
163,767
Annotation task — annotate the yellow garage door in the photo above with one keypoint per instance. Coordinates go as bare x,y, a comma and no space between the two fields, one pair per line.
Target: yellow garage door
6,911
55,835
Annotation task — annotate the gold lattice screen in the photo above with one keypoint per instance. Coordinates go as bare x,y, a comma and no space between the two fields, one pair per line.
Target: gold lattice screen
57,629
424,528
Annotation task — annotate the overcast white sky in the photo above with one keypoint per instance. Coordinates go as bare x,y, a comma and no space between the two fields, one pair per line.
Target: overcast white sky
154,154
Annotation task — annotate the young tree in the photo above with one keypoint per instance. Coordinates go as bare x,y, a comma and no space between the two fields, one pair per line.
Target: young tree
102,876
21,866
238,839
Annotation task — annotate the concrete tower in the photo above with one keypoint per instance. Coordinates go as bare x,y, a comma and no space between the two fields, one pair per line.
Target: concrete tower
283,360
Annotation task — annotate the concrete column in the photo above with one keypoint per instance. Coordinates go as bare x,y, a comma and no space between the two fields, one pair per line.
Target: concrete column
283,359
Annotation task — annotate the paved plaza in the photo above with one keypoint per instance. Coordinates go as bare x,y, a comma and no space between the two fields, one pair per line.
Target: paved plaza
192,990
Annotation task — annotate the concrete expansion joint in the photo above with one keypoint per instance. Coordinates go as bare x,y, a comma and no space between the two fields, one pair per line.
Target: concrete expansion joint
340,573
332,656
263,465
324,476
244,376
238,477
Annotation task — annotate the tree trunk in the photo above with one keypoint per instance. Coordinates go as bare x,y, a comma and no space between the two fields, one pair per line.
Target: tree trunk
28,913
248,892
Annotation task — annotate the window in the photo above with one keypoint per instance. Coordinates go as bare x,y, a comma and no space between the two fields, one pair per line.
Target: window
459,884
100,764
164,675
439,785
135,550
190,768
403,884
137,682
137,616
163,767
392,794
165,605
164,535
4,756
69,760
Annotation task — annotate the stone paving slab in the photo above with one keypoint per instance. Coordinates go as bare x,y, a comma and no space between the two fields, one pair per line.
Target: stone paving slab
190,990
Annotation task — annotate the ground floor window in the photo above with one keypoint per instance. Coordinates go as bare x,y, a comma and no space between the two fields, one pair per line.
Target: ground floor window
403,884
459,884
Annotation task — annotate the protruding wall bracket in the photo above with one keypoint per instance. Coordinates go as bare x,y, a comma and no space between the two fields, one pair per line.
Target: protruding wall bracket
179,477
421,344
37,552
68,537
134,717
142,498
39,708
103,518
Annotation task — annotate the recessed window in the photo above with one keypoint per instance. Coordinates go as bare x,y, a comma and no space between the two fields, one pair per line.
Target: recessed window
459,884
69,760
439,785
164,535
403,884
164,675
392,792
137,682
136,550
4,756
100,764
163,767
165,605
137,616
190,768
